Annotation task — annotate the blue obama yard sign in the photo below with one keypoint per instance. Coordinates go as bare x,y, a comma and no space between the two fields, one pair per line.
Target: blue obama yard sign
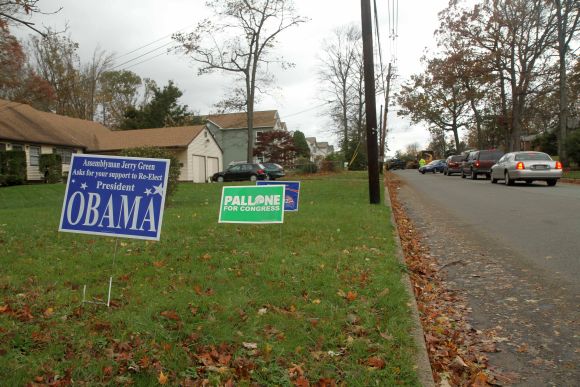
115,196
292,193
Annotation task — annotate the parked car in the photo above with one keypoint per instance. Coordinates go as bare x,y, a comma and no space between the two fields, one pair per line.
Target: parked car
479,163
528,167
242,171
433,166
274,171
452,165
393,164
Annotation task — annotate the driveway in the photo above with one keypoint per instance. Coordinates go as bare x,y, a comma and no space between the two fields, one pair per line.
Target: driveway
513,252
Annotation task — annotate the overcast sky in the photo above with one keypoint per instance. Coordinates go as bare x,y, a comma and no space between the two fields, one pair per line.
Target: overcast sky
121,26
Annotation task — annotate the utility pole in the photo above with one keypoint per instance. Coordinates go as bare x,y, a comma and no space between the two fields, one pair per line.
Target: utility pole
384,119
370,103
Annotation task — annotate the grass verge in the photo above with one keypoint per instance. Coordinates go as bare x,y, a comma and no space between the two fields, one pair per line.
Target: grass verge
316,300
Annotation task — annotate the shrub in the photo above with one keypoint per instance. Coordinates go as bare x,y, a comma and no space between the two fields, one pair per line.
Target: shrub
12,167
305,166
159,153
547,142
51,166
573,146
328,166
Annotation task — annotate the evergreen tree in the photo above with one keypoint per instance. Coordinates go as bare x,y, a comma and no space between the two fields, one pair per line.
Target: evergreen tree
302,149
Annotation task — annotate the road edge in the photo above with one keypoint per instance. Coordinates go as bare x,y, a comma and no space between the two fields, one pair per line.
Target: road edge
424,371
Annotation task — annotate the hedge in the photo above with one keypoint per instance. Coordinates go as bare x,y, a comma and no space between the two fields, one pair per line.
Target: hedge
12,167
51,166
159,153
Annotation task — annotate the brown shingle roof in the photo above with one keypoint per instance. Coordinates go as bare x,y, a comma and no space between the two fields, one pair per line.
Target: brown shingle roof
265,119
176,137
22,123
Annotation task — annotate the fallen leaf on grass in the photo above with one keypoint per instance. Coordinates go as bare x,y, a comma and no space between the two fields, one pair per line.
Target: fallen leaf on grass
351,296
48,312
250,345
159,263
376,362
301,382
162,378
4,309
170,314
480,380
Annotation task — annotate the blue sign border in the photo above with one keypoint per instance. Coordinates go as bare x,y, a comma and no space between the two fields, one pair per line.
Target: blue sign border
68,192
292,189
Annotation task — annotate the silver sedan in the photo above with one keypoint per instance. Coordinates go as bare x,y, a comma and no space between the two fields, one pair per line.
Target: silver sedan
528,167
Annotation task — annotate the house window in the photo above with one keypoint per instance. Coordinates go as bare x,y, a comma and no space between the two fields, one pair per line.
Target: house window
16,147
34,155
65,154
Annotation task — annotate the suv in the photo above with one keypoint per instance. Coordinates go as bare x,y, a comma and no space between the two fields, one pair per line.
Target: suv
453,165
242,171
479,163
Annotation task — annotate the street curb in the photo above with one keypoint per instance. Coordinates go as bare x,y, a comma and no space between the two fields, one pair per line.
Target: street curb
424,371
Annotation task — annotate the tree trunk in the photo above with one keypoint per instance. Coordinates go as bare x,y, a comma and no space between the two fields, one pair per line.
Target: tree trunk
563,116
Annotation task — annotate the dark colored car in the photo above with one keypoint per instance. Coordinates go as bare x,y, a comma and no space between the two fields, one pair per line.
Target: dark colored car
396,164
479,163
242,171
274,171
453,165
433,166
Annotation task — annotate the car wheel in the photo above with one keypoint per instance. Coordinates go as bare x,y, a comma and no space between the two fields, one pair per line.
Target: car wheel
462,174
423,172
433,171
487,176
220,179
493,181
473,175
253,178
507,179
551,182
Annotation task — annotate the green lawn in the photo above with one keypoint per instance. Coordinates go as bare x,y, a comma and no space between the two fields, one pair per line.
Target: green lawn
572,175
316,298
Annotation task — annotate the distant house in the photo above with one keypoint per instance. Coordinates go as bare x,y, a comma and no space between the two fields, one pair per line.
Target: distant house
318,150
25,128
231,131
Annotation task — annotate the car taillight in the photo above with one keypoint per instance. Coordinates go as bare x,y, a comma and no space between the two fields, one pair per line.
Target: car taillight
520,165
558,165
261,171
477,164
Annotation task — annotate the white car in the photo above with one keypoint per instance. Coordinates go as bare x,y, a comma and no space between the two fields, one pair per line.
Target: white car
528,167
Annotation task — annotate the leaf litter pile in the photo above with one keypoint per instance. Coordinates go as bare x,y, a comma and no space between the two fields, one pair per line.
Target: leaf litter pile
456,350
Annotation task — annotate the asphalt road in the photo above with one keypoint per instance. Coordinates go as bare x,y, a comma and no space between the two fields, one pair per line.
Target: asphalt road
541,223
513,254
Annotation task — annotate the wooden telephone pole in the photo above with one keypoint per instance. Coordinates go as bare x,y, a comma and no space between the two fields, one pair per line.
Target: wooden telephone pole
370,103
384,120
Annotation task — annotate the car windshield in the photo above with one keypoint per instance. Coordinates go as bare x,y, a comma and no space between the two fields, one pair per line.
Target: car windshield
490,155
272,166
533,156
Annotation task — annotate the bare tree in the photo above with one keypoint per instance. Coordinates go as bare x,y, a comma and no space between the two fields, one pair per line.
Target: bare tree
248,30
568,25
337,74
17,12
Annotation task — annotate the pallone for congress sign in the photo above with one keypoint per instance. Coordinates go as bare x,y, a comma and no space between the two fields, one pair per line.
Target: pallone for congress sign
115,196
252,204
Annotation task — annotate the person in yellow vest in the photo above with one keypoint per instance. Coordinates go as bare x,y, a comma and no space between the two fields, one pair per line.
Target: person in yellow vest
422,162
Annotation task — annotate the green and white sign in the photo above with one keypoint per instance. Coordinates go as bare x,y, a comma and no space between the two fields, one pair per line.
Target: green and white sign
252,204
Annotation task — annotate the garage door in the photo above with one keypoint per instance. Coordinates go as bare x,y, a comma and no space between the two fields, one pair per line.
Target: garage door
213,164
199,169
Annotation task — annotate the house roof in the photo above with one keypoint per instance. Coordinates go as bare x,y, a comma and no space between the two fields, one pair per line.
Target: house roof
174,137
22,123
264,119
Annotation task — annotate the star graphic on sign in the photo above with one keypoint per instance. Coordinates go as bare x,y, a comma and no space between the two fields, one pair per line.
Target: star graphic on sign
147,192
73,181
83,186
158,189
